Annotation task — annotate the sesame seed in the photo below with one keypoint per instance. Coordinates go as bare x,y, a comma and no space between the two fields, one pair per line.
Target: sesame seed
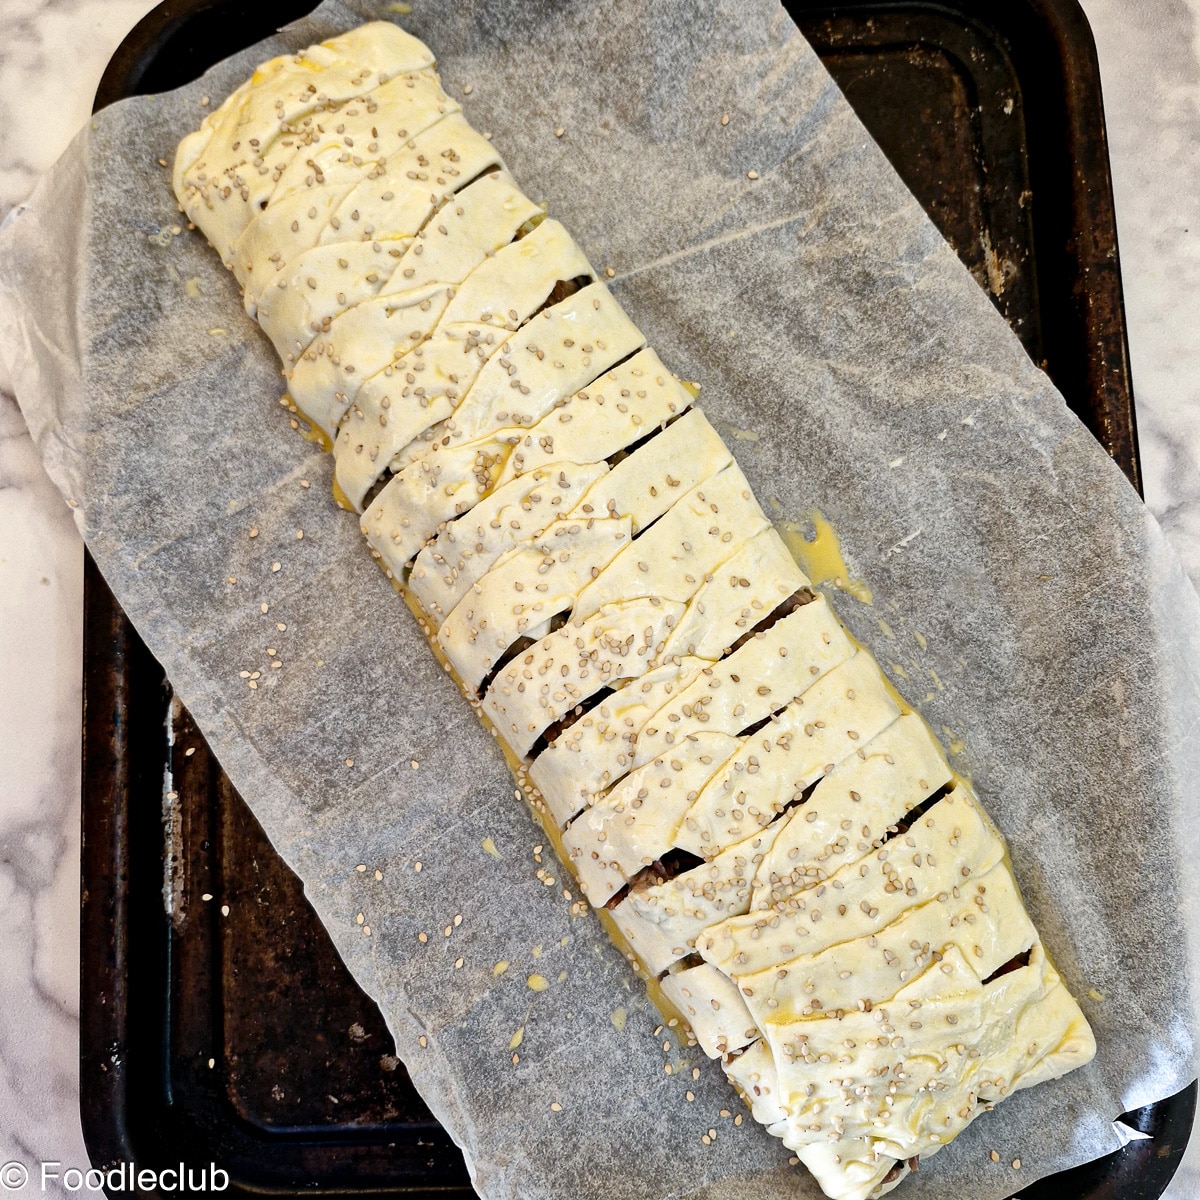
556,1107
751,174
724,118
994,1155
559,132
1016,1164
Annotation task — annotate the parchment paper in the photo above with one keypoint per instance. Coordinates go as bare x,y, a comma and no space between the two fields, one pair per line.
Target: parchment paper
1024,598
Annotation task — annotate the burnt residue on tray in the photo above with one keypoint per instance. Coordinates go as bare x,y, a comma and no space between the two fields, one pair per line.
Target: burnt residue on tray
217,1020
990,111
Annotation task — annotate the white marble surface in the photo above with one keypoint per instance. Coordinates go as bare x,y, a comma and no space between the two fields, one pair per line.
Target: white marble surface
41,625
1150,68
52,53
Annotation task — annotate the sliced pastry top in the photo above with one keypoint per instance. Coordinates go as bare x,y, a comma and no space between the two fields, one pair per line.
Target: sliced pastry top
777,836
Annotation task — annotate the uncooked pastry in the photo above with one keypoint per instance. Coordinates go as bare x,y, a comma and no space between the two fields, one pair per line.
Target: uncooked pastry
772,833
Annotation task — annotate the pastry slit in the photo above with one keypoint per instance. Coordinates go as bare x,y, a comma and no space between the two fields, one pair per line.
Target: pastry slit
798,599
914,814
522,644
1013,964
557,728
666,867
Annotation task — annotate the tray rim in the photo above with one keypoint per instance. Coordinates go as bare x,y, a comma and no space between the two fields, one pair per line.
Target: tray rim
108,772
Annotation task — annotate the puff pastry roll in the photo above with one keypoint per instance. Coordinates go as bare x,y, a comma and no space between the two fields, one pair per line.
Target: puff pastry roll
775,834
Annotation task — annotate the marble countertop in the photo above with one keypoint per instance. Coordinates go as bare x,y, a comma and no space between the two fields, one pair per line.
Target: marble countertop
1150,64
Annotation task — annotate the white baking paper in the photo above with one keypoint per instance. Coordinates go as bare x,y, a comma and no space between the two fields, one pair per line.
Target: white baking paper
1024,598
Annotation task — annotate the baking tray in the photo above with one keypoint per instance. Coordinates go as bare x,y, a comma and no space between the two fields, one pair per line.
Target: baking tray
217,1022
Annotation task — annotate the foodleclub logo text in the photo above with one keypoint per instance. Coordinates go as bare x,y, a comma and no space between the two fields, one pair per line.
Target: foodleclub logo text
120,1177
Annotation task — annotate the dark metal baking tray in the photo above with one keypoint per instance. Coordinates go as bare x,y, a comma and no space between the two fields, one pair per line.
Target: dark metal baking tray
241,1038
